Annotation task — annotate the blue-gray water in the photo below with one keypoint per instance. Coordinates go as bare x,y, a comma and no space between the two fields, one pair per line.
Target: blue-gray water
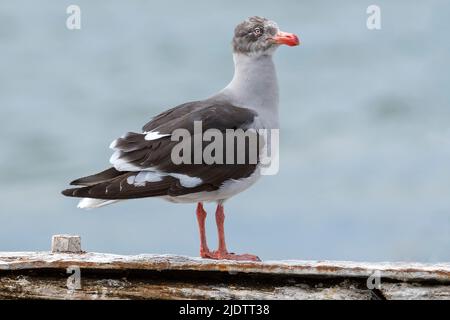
365,158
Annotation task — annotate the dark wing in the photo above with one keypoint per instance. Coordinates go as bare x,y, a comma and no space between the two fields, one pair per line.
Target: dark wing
144,168
175,113
103,176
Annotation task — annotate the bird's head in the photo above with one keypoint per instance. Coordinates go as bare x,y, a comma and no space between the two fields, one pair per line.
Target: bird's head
260,36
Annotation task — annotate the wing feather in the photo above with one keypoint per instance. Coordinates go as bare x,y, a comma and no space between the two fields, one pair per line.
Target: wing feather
134,155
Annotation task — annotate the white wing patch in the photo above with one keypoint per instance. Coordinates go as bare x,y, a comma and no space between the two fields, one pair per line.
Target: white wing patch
145,175
88,203
130,179
155,135
113,144
121,164
186,181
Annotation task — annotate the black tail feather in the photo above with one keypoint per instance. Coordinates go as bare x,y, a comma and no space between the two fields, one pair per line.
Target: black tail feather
100,177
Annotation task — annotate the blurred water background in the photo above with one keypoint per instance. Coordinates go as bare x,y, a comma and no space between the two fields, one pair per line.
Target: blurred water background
365,158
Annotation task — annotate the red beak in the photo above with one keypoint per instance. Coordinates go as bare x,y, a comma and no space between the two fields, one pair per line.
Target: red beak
287,38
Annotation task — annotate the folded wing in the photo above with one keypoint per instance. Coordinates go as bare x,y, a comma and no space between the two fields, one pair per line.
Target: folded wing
142,164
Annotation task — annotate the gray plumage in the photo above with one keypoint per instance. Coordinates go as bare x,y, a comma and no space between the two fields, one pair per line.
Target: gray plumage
254,35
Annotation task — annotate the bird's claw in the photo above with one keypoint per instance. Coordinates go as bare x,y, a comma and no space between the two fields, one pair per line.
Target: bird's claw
224,255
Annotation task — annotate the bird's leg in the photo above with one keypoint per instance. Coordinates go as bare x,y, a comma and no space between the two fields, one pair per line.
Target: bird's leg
222,252
220,221
201,217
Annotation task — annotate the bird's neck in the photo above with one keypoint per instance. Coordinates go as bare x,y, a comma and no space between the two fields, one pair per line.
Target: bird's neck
254,85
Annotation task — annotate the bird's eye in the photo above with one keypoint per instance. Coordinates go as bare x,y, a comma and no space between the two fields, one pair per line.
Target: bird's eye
257,31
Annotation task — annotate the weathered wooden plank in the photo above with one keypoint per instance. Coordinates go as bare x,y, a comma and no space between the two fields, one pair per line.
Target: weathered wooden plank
398,270
53,288
109,276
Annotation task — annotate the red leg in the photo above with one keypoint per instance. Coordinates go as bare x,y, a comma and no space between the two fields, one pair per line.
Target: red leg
220,220
222,252
201,217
